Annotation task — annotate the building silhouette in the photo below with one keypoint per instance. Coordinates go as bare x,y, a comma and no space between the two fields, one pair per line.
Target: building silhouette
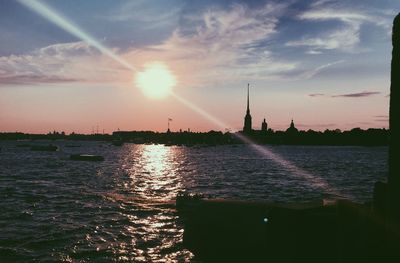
264,126
247,127
292,128
247,118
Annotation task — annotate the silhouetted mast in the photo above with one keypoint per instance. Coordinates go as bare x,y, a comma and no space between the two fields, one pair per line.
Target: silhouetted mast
169,120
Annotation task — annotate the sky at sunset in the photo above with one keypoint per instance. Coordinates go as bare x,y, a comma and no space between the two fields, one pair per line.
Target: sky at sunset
326,64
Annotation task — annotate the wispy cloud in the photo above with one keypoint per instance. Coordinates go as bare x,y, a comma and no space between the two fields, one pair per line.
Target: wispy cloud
381,118
311,73
33,79
316,95
59,63
149,14
347,95
222,44
312,52
299,71
357,95
346,36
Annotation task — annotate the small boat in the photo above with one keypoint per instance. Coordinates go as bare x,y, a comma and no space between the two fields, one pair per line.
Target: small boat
72,145
86,157
117,142
45,148
23,145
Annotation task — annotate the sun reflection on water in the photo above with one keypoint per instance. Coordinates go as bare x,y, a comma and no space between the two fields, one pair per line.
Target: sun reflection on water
157,159
154,175
146,199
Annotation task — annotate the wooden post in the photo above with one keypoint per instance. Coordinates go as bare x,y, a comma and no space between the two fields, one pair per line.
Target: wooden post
394,127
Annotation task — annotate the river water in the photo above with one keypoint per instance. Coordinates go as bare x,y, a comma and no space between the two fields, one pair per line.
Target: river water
122,209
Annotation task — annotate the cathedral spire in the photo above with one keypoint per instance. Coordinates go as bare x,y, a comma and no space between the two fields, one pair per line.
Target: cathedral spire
248,101
247,118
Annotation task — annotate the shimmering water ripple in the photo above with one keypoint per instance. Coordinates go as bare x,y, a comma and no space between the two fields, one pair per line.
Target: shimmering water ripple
53,209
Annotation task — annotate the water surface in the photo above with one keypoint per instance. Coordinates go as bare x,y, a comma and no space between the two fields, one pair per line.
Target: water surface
54,209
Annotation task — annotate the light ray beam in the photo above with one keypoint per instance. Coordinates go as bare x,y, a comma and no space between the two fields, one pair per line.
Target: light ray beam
53,16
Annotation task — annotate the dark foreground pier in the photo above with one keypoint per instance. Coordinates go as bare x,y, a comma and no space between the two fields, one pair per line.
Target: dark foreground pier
325,231
335,231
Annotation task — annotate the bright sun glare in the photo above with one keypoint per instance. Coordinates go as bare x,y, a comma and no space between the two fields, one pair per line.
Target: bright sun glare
156,80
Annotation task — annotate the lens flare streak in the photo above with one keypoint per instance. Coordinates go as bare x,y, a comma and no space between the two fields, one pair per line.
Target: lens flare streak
54,17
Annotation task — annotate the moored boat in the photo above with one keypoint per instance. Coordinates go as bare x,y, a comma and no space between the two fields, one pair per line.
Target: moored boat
86,157
118,142
44,148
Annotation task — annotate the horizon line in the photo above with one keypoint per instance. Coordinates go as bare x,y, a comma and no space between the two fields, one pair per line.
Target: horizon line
184,131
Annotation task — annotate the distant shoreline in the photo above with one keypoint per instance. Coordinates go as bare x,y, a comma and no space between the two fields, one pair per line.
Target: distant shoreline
354,137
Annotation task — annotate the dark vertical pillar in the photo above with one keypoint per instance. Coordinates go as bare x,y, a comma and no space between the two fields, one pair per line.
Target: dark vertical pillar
394,126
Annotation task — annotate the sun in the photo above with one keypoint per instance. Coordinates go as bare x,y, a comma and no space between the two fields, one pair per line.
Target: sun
156,80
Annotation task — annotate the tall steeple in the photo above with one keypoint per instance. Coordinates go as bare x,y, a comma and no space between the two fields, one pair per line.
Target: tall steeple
247,118
248,100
